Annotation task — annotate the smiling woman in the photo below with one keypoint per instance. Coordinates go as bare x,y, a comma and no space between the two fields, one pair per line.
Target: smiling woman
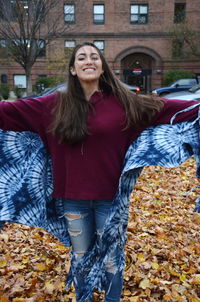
88,68
88,129
89,73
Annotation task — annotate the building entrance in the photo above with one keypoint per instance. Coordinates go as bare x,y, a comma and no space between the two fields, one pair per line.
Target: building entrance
137,70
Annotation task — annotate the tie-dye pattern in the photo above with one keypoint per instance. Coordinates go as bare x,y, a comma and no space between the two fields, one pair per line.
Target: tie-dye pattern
26,188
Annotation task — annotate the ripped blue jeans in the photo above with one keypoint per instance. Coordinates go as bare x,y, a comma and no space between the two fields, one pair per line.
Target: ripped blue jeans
85,220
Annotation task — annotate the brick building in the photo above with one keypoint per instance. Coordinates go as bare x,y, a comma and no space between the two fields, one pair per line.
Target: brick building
133,34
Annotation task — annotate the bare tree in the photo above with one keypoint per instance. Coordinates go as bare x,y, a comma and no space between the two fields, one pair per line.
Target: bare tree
28,26
186,39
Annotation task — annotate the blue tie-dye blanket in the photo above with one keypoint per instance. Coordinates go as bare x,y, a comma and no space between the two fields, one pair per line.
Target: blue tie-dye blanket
26,187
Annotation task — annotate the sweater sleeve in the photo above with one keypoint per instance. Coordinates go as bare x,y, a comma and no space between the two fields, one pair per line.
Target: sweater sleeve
22,115
171,107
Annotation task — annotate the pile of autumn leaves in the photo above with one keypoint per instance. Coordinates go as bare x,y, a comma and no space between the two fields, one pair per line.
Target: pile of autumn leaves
162,252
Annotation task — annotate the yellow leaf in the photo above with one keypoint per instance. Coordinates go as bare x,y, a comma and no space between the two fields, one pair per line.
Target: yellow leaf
134,299
168,297
40,267
162,217
49,261
173,273
38,237
195,300
4,299
127,292
155,265
145,283
141,258
183,277
25,260
196,279
49,287
3,263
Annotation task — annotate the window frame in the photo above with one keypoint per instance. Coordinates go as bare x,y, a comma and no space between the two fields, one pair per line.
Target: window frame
3,43
179,17
71,14
16,81
139,15
69,41
95,21
95,42
40,44
42,51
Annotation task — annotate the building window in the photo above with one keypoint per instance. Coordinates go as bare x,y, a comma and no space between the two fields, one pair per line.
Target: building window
4,78
2,43
24,2
20,80
69,13
17,9
179,12
98,13
41,48
100,44
177,49
139,14
42,76
38,46
70,44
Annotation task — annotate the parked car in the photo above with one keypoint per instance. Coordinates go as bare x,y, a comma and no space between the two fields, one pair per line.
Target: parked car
47,91
59,87
179,85
186,97
133,88
191,91
63,86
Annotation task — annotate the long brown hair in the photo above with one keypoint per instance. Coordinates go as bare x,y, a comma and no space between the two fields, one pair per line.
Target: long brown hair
70,114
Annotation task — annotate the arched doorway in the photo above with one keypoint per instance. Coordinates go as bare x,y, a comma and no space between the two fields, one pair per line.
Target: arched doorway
137,70
138,66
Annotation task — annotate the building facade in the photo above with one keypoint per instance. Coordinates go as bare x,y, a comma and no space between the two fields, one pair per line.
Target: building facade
135,37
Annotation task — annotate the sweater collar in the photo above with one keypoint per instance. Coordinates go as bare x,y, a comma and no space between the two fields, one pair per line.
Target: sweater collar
96,97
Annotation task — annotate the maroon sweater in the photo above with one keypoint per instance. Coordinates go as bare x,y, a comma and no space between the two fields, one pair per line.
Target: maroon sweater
91,169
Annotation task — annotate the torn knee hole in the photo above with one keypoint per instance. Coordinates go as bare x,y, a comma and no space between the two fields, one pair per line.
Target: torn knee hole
111,267
73,216
80,253
70,216
74,232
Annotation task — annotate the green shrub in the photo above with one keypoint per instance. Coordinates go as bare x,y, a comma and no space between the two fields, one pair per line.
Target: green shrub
18,91
173,75
43,83
4,91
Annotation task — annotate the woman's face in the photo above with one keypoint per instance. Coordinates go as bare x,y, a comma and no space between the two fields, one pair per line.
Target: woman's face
87,65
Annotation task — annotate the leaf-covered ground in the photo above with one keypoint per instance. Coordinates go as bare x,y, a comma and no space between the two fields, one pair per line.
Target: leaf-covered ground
162,252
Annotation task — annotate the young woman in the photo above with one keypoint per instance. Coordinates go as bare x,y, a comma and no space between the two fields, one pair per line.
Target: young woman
87,130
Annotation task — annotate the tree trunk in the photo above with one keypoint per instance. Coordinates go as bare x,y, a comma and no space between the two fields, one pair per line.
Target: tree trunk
28,82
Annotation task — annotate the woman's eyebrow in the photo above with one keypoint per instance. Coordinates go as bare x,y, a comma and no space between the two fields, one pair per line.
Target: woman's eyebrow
83,54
